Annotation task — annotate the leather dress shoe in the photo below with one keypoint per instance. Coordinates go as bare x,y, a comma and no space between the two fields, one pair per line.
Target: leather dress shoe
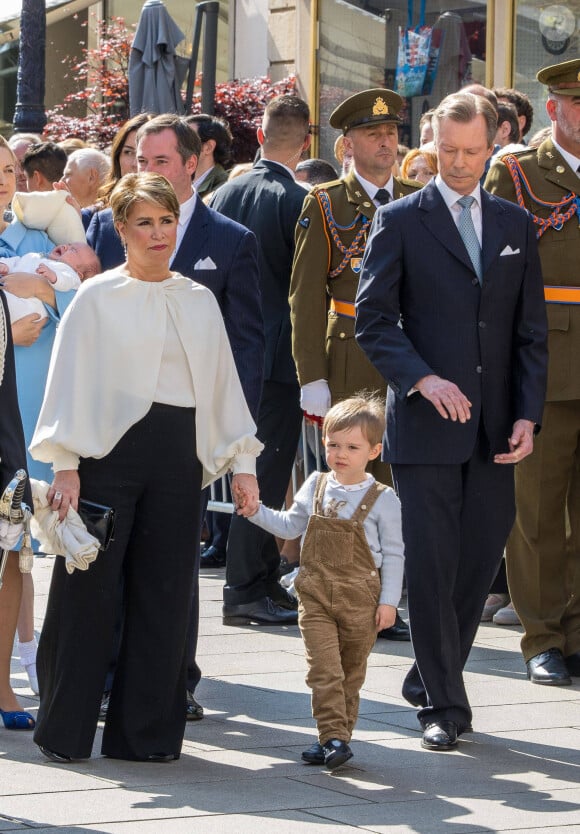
549,668
398,631
59,758
284,599
314,754
212,557
262,611
104,708
336,753
440,735
193,711
573,664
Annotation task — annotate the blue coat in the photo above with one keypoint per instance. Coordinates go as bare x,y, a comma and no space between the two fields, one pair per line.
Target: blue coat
234,281
420,311
32,361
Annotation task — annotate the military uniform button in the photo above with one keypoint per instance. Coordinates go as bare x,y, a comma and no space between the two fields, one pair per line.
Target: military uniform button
342,335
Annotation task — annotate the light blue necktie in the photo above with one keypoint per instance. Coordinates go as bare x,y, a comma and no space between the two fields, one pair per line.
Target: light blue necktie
469,235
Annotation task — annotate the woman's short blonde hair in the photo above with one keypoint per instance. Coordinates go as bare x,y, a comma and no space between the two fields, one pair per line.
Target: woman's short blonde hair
364,410
142,188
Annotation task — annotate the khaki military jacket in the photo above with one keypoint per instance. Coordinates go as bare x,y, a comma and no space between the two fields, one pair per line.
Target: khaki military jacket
323,343
550,179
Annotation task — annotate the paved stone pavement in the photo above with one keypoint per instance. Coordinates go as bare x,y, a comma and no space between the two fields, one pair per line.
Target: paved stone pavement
240,771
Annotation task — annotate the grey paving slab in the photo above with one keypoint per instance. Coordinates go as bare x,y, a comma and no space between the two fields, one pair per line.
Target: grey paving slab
244,664
167,801
463,815
293,822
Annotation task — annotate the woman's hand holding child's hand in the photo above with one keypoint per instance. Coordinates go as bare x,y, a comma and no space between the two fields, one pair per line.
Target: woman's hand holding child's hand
246,494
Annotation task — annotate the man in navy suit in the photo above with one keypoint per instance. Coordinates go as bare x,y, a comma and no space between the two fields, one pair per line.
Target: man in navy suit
216,252
450,309
268,201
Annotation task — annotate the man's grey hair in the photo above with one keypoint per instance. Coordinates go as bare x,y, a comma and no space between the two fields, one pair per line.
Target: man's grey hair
92,158
465,107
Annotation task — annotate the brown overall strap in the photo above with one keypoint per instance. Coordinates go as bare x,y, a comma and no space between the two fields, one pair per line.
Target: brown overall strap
367,502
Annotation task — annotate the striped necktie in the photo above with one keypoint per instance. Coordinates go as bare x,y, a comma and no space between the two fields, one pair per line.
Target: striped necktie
469,235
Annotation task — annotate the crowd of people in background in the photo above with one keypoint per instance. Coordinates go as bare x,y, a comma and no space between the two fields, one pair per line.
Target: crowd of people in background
411,273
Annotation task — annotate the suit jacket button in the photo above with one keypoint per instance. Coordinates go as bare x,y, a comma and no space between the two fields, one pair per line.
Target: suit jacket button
479,369
482,324
475,282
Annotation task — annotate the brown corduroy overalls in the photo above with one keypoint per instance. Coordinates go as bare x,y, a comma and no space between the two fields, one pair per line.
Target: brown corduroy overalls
338,587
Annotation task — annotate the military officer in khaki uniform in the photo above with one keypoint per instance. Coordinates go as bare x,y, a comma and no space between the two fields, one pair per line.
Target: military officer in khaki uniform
543,554
330,239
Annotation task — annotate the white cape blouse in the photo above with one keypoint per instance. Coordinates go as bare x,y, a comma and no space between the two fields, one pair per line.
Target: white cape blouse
105,365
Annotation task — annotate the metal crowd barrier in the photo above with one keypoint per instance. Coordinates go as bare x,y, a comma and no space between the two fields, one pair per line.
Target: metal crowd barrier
308,459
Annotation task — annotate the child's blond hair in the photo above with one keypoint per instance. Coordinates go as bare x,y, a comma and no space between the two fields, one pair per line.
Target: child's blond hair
364,410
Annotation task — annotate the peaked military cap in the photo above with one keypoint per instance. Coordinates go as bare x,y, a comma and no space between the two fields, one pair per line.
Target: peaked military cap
563,79
366,108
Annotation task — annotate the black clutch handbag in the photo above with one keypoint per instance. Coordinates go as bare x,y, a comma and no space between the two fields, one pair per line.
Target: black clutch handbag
99,521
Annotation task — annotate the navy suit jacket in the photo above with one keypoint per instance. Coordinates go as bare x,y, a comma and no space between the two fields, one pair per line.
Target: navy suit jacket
268,201
420,311
234,281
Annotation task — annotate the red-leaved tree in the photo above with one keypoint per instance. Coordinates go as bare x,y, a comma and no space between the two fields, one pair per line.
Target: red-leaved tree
100,104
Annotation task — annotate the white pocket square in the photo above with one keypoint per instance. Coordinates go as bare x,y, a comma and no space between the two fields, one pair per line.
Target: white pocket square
205,263
509,251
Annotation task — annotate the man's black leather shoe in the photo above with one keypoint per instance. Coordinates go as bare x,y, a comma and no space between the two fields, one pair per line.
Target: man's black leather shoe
573,664
398,631
548,668
440,735
336,753
262,611
314,754
285,600
193,711
212,557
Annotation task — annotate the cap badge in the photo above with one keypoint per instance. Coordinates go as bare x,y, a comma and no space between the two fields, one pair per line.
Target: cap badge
380,108
578,77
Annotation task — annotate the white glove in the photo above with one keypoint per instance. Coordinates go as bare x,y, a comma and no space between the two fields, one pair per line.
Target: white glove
9,534
315,398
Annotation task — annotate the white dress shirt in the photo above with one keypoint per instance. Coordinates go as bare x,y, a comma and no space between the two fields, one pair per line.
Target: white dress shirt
450,198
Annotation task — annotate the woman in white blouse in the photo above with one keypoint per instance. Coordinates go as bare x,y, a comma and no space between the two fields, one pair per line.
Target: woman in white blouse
143,405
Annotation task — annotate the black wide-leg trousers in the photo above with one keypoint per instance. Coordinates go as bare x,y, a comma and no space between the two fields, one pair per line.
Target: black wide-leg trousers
152,478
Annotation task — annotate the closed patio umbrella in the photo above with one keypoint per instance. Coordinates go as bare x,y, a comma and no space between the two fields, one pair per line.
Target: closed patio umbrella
155,71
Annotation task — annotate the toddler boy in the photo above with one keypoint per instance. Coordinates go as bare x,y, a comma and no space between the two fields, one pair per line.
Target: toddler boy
351,568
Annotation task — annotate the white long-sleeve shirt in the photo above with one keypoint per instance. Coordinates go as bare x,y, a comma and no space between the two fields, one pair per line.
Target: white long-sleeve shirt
382,525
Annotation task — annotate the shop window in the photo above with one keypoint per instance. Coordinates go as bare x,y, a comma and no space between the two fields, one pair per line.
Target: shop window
358,50
544,34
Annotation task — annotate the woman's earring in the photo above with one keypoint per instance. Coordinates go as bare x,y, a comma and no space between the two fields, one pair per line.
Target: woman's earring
124,242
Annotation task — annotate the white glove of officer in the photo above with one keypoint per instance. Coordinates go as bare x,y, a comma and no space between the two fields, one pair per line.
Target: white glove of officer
9,534
315,398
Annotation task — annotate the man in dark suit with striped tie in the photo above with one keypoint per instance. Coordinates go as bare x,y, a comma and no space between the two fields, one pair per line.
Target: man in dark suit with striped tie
450,310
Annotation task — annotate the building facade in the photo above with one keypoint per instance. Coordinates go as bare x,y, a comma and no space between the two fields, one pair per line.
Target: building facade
334,47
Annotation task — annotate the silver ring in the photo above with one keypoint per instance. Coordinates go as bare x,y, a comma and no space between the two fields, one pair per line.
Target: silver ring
58,495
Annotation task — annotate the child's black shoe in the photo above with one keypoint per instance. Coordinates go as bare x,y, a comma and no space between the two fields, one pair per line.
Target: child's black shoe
314,754
336,753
